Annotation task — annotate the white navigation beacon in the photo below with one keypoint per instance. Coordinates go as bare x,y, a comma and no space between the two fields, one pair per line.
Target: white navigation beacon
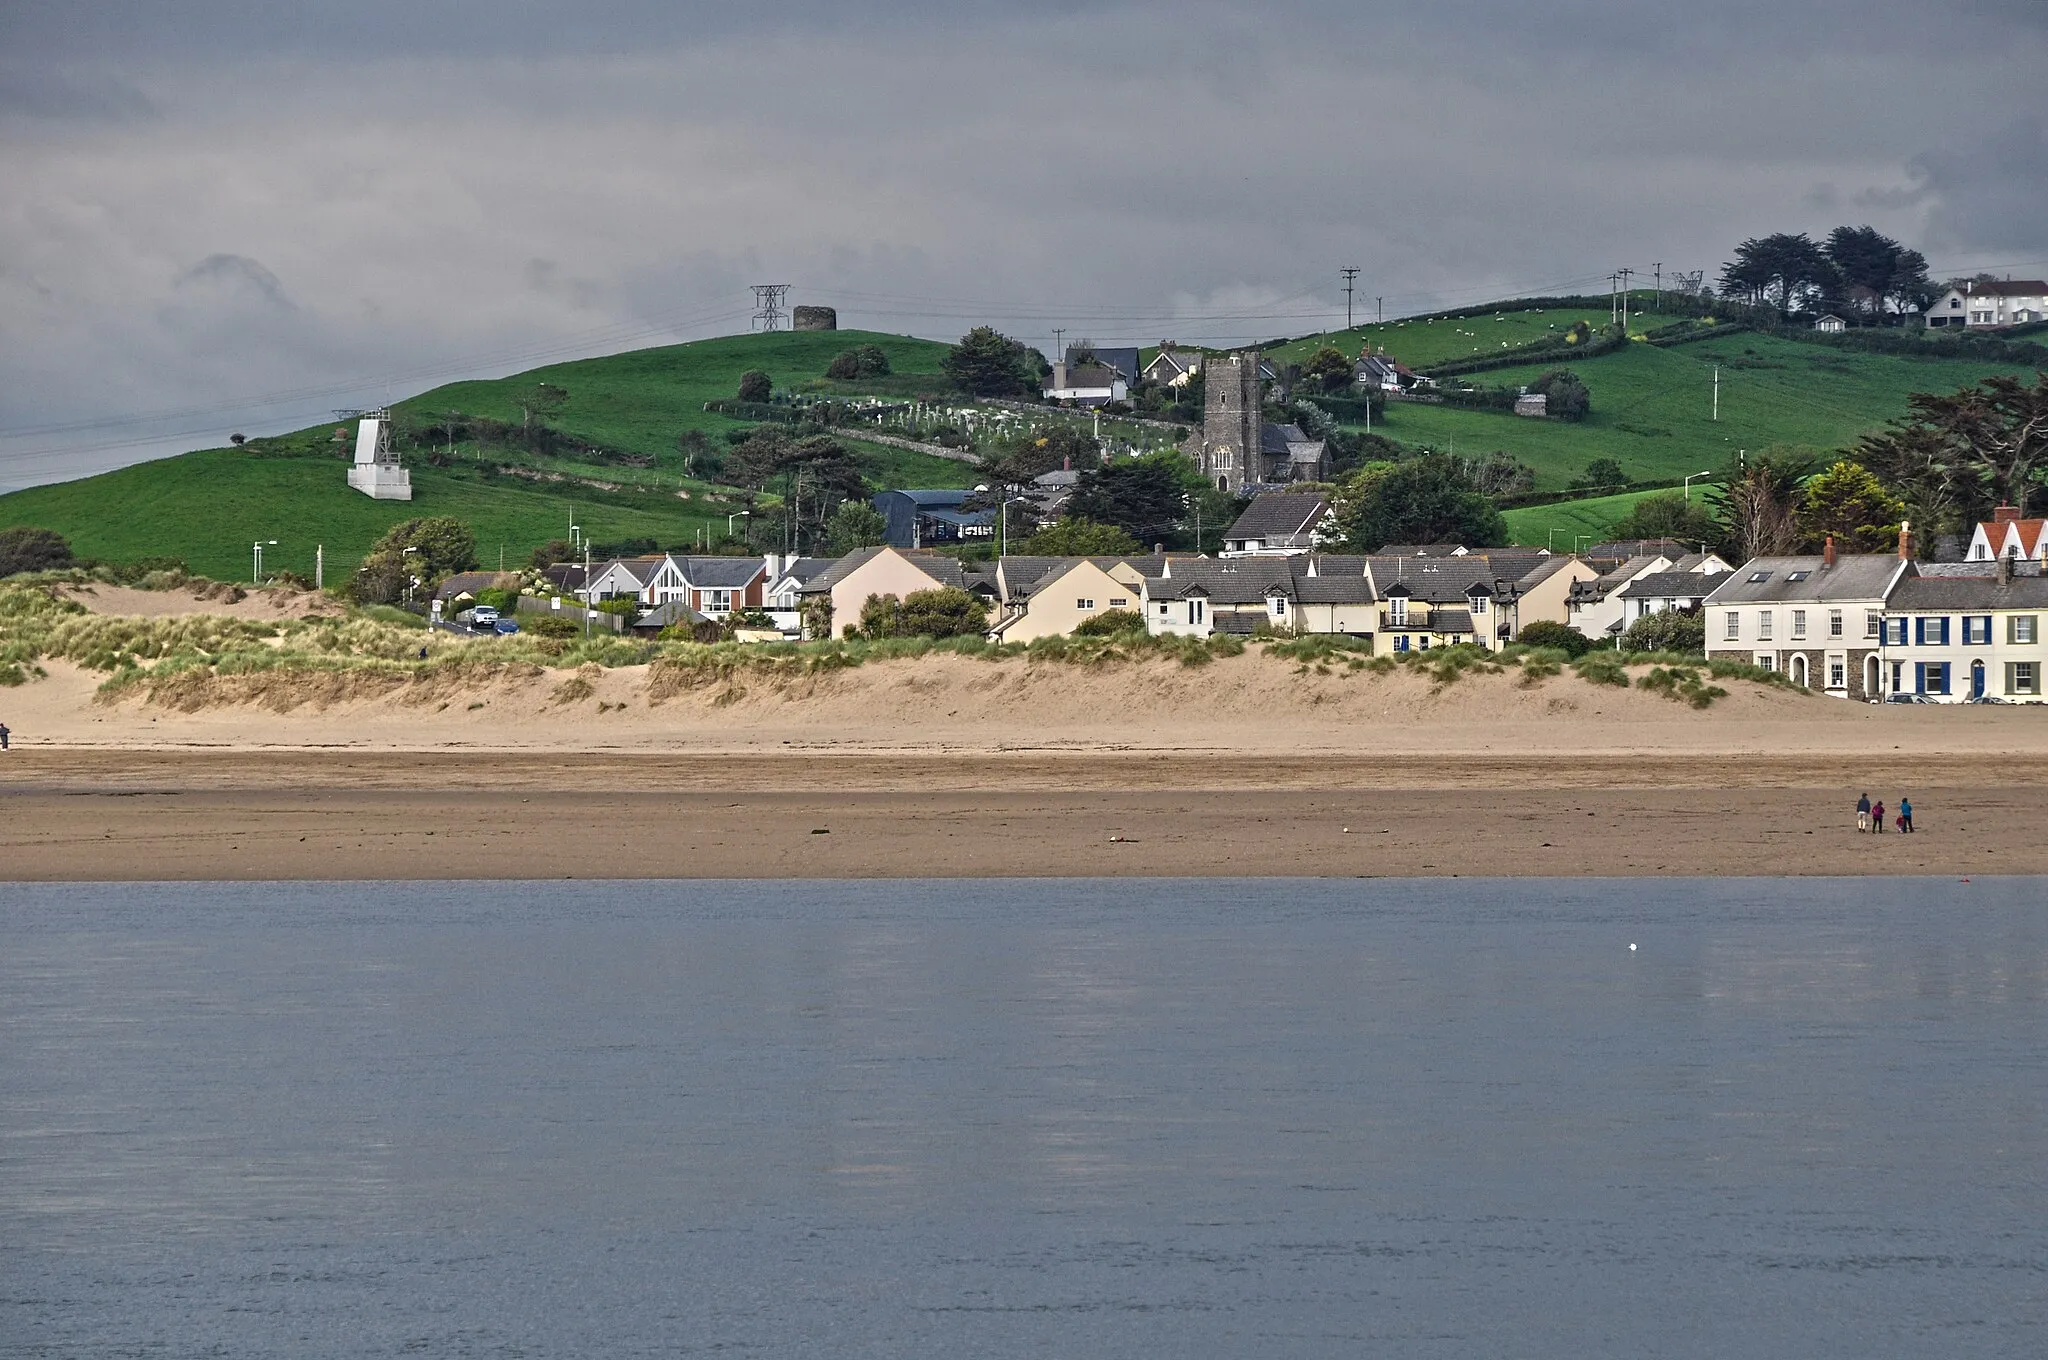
376,471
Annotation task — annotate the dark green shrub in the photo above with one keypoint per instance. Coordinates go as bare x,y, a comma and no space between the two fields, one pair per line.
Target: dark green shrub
1111,622
1548,633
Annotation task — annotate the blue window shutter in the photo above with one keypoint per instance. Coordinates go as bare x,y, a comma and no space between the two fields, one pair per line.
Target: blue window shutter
1919,677
1943,621
1920,632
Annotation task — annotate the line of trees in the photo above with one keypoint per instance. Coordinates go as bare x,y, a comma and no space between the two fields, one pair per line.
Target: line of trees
1855,272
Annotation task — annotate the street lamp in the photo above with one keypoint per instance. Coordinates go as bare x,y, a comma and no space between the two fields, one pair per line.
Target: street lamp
576,537
412,581
1689,481
256,568
737,514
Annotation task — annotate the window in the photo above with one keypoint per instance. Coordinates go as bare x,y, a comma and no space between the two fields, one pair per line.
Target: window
1898,676
1422,643
1401,642
1279,604
1767,661
1930,632
1734,629
1799,623
1763,625
1976,630
2022,677
1980,553
717,601
1895,632
1084,604
1119,602
1870,618
1838,673
1757,578
1162,609
1799,575
1478,603
1195,611
1931,677
2022,628
1834,623
1397,612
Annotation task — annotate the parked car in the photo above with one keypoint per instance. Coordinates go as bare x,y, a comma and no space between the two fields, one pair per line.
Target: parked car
483,617
1983,699
1909,699
504,626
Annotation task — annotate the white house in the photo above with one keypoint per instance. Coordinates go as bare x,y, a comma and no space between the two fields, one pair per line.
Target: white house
2011,302
1277,524
1817,618
653,579
1956,638
2005,534
1086,384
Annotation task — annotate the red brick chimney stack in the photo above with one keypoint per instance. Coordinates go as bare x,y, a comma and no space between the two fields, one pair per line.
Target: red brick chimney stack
2005,514
1905,540
1827,552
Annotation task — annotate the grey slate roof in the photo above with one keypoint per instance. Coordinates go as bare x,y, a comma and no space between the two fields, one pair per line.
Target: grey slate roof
806,568
720,573
1438,580
1450,621
1278,515
662,615
1969,594
1855,576
1243,580
1334,590
1242,624
1671,585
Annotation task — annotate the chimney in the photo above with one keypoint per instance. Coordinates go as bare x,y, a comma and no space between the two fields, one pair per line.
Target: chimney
1159,550
2005,514
1905,540
2004,570
1059,372
1827,552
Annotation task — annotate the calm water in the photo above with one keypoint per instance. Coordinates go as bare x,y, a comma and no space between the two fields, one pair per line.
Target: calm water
1025,1119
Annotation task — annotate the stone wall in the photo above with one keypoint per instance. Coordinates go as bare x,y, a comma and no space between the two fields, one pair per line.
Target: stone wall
816,319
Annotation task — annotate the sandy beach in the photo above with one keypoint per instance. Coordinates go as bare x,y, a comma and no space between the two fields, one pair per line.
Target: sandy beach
948,766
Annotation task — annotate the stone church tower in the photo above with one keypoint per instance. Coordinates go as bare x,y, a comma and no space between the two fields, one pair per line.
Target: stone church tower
1232,421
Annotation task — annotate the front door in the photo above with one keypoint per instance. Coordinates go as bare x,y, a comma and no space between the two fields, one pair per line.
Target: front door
1976,679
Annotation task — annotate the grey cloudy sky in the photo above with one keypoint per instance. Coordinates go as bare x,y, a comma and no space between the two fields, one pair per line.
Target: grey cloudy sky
230,215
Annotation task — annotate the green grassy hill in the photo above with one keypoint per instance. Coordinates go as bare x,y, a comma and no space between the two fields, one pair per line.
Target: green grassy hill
1567,523
208,507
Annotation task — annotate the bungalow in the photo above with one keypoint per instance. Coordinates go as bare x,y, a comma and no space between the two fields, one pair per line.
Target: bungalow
1830,323
460,590
2005,534
1957,638
832,600
1277,524
1817,618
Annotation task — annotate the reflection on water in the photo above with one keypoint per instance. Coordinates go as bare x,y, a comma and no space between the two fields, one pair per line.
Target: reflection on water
1071,1118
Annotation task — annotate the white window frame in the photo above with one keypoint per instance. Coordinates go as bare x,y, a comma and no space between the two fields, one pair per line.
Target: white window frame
1084,604
1733,631
1799,623
1871,619
1834,623
1763,625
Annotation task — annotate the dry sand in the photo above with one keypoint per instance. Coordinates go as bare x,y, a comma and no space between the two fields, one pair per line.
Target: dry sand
952,766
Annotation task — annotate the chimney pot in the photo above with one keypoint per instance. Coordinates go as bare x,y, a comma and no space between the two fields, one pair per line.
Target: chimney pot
1905,541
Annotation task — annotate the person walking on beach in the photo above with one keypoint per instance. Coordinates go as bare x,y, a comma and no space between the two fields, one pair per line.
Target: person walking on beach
1877,818
1863,813
1905,814
3,736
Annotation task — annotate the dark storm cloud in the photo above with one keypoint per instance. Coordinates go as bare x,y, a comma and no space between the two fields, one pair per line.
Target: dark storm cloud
467,187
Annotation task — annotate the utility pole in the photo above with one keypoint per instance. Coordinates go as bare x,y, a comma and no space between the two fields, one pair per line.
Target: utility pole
320,566
1349,275
1657,267
768,299
1717,391
1381,304
1613,301
1059,344
1625,273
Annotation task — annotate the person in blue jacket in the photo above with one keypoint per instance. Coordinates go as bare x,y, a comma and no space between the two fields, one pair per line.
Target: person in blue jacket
1905,814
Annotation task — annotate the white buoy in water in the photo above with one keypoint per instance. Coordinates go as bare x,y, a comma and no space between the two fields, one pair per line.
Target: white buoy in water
1631,947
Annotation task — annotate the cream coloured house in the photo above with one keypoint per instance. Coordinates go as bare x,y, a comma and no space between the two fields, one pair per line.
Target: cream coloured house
833,599
1064,597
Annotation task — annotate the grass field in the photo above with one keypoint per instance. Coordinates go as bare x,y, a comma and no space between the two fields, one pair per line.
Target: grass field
1653,408
1567,523
209,507
1420,342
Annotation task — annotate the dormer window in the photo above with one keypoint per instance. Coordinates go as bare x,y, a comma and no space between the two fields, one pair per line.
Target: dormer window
1397,611
1477,603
